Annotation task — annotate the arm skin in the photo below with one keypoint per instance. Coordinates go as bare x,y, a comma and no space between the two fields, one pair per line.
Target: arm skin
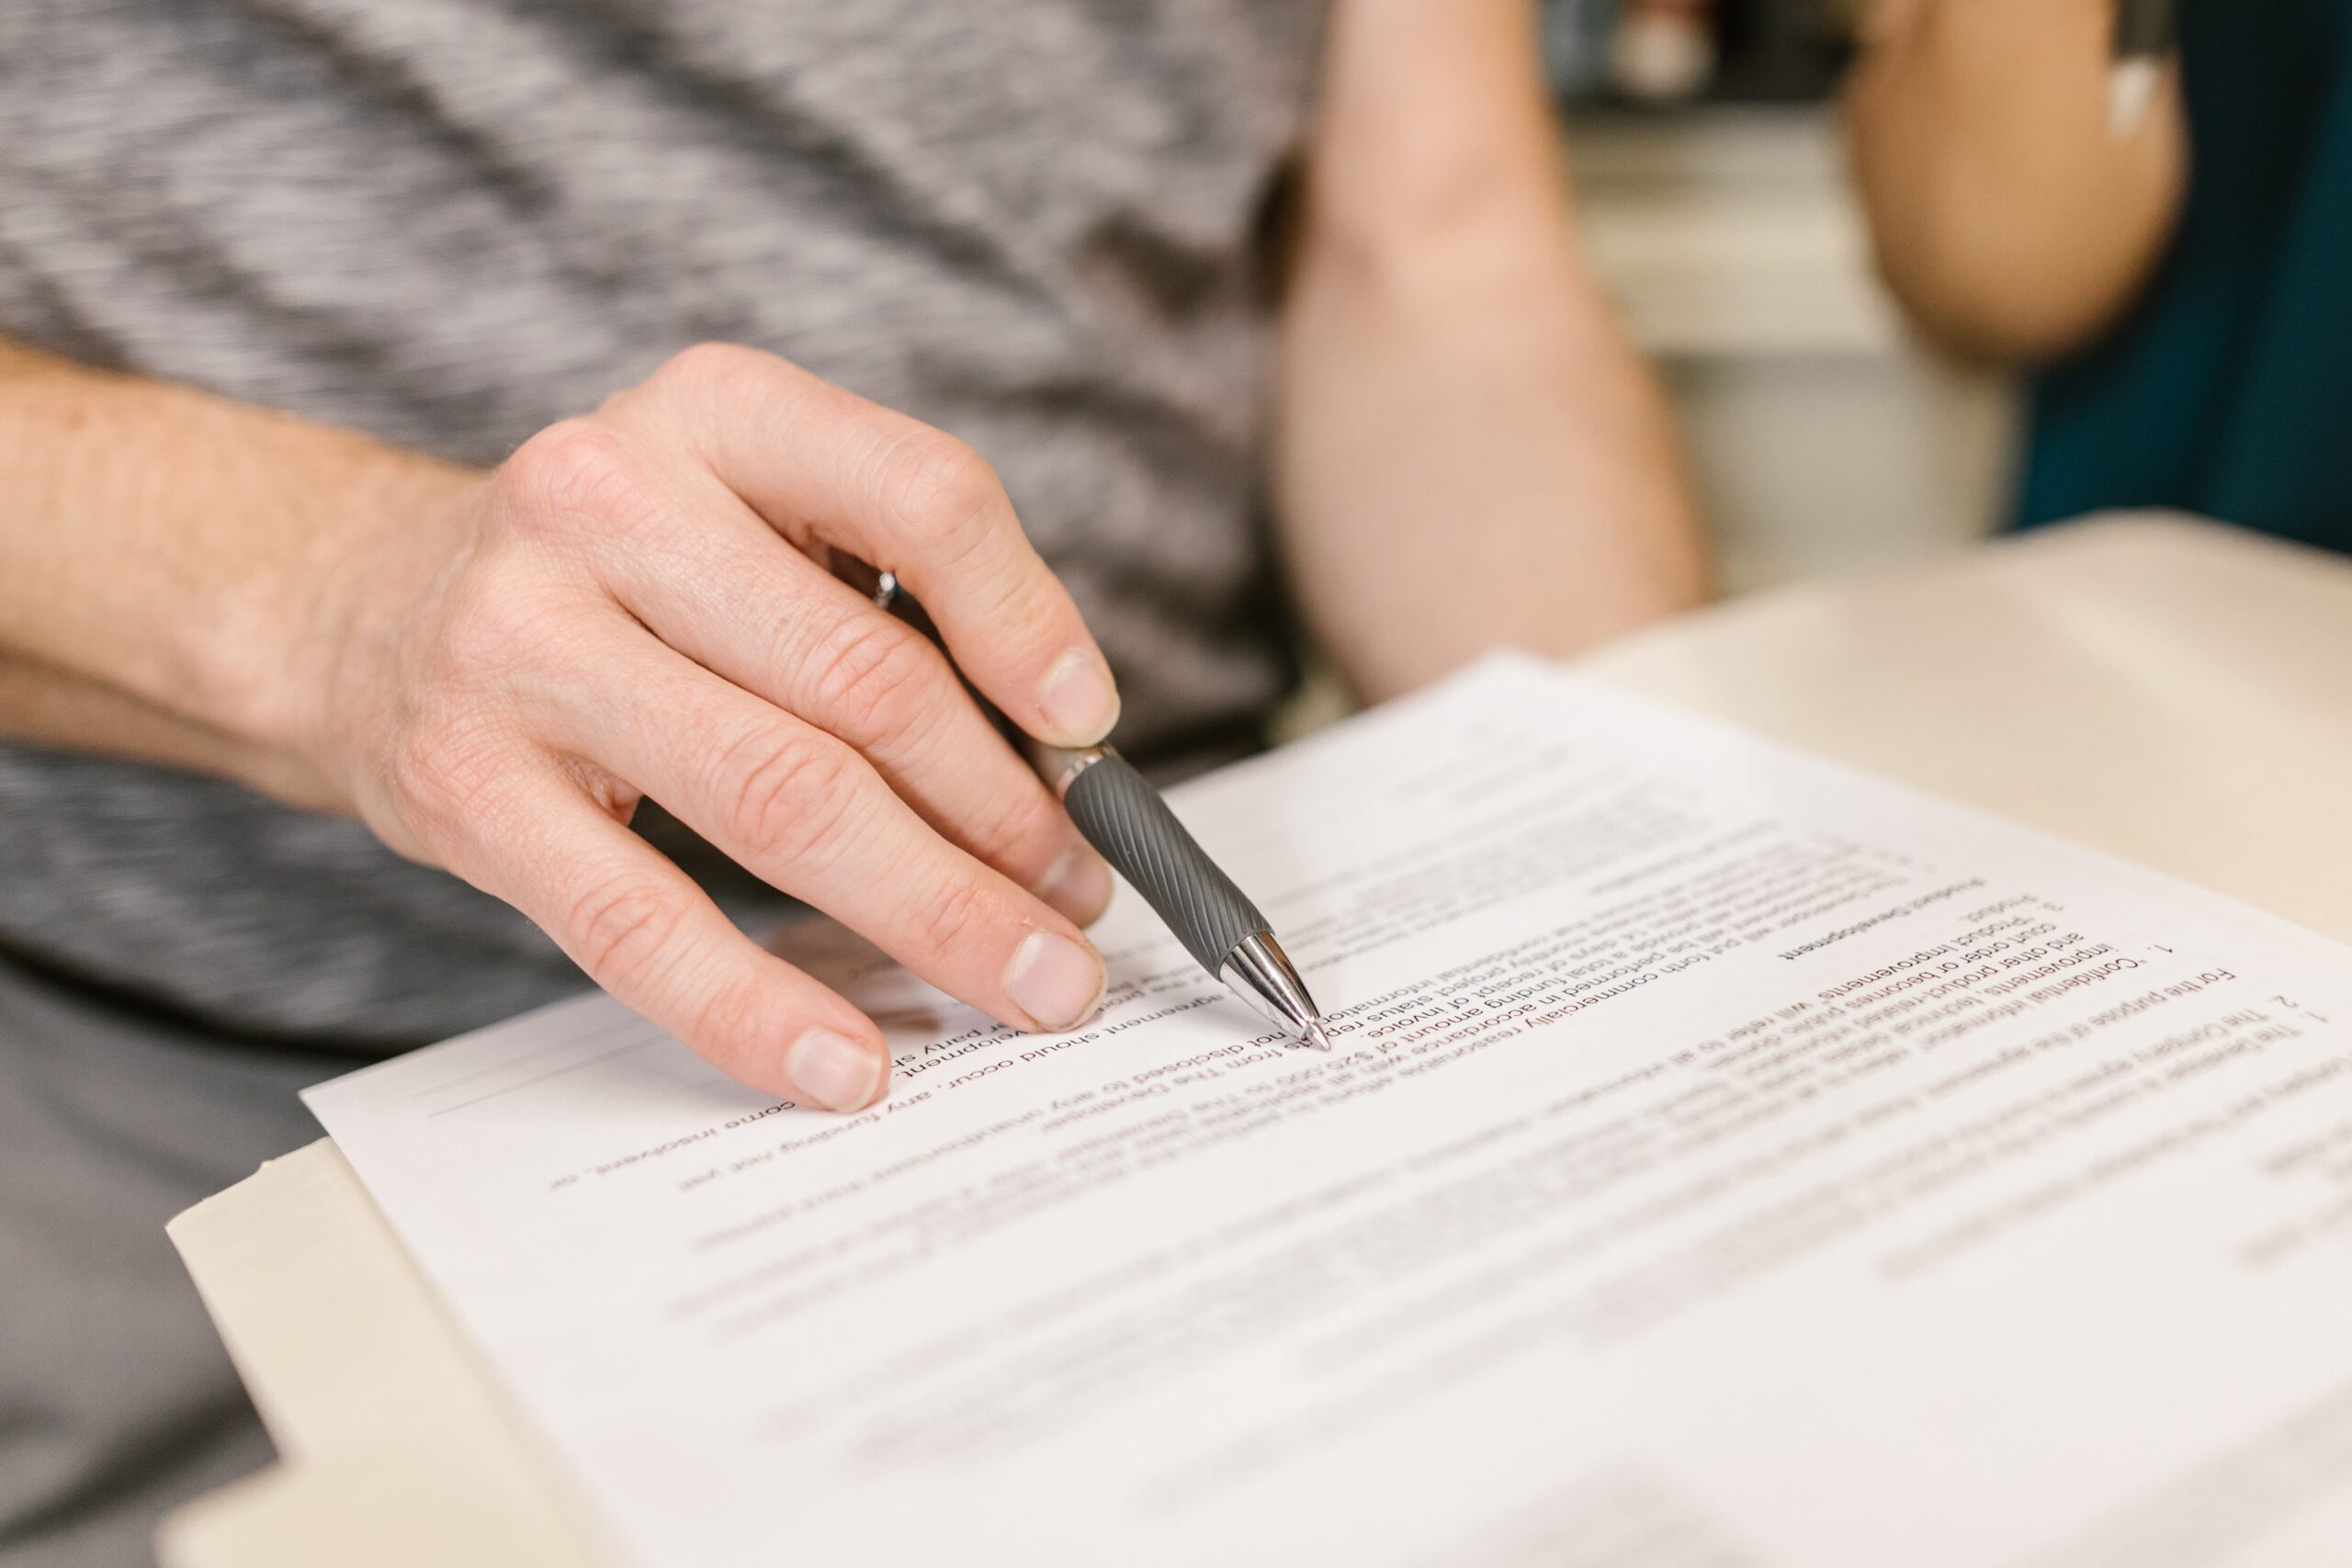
491,669
2009,221
162,553
1470,455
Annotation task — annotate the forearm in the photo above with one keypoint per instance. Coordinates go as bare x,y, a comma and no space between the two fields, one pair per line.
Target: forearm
162,553
2010,218
1471,454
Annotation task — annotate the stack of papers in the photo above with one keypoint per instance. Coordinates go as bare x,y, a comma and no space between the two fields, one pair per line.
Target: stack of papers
1727,1159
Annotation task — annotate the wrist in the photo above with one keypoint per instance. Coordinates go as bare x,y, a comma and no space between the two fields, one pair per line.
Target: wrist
293,671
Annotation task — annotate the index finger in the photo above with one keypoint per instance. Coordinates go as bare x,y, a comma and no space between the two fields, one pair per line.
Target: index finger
824,465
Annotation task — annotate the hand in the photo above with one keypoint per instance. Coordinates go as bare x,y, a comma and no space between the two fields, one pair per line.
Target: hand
630,607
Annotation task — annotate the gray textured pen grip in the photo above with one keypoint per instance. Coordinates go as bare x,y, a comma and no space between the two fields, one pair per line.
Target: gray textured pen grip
1124,817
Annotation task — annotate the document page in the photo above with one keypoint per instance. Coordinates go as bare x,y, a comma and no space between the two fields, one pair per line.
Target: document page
1726,1160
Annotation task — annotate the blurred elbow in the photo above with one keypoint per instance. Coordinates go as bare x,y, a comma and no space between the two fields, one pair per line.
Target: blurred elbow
1984,302
2004,250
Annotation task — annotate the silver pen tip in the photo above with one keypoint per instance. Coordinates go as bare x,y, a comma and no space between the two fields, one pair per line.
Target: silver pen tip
1317,1035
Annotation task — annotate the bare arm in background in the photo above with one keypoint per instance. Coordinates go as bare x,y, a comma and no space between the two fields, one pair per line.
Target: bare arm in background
1471,454
2009,218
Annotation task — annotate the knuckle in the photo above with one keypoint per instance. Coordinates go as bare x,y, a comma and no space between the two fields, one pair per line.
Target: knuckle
788,792
620,931
874,677
953,916
574,469
733,1019
1017,827
708,368
942,494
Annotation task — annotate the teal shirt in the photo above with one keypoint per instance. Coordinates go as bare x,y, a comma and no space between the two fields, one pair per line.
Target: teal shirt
2227,389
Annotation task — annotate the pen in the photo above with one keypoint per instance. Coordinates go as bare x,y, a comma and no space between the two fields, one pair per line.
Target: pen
2147,32
1118,812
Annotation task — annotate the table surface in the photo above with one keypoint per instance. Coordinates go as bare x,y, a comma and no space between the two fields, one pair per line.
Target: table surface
2169,691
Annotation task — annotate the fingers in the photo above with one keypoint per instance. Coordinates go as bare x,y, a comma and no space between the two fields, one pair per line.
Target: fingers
803,810
641,930
753,708
822,465
748,607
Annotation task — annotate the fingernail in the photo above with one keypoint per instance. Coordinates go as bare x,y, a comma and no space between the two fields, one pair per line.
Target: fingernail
1078,885
1078,699
832,1070
1055,980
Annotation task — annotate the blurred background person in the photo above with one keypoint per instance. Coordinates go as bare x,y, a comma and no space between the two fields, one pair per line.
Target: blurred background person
2175,278
373,544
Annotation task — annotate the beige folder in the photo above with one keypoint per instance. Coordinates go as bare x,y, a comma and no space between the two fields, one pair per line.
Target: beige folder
2172,692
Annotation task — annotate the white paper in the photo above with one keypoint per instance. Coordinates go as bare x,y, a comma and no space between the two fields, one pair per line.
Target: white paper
1727,1159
